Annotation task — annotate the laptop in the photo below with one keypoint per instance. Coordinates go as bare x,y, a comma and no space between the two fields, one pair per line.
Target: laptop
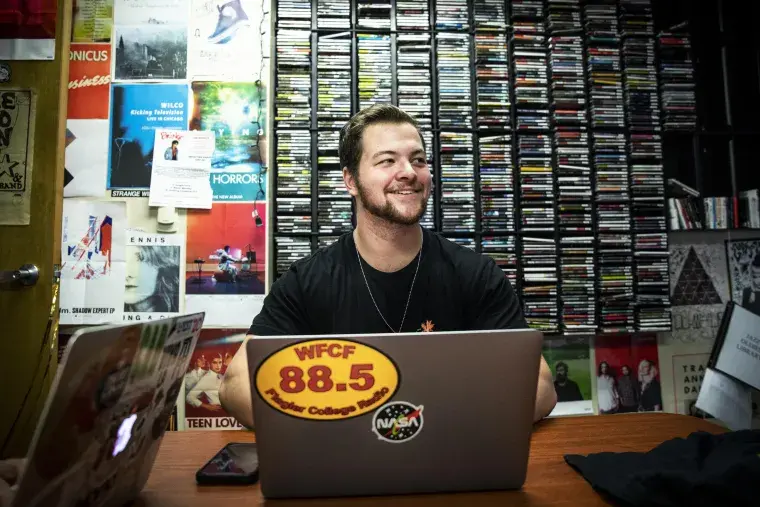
108,408
390,414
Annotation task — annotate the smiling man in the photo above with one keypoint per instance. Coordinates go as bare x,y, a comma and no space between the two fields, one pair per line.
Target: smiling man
389,274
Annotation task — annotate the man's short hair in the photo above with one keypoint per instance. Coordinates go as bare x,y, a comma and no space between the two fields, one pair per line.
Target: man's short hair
561,364
350,142
175,142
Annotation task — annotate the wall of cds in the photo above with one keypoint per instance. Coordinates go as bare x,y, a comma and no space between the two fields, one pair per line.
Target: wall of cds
543,121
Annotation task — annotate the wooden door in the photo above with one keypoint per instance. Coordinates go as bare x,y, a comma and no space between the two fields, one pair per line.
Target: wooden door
28,344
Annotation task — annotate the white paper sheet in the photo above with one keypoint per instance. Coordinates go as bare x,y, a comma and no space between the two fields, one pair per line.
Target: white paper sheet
181,169
726,399
93,262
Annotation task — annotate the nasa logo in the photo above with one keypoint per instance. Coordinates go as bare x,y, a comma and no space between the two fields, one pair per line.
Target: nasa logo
397,421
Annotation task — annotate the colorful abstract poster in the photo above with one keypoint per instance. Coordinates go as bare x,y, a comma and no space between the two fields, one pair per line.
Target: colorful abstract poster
699,290
226,262
627,374
225,43
93,21
209,361
152,288
17,110
93,266
744,270
27,29
569,359
150,39
236,112
137,111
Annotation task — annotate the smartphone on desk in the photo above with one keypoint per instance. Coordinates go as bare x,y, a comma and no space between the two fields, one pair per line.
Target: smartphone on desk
235,463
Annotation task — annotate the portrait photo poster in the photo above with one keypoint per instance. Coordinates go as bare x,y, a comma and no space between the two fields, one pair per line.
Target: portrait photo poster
236,113
627,374
150,40
226,262
209,362
152,288
569,359
93,267
744,272
137,110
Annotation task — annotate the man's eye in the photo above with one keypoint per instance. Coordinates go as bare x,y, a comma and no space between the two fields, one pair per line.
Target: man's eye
387,161
420,161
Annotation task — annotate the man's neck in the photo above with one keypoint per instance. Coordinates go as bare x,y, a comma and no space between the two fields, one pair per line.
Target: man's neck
384,246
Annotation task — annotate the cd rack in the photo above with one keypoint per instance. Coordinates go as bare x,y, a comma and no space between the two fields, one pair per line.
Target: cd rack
541,124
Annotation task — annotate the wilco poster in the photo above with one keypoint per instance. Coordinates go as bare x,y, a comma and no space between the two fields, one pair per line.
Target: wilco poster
87,120
137,111
212,355
236,112
16,140
698,290
93,261
151,288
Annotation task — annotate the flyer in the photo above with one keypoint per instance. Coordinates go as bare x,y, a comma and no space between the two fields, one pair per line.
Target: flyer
236,113
27,30
181,167
93,261
93,20
86,159
17,110
225,43
208,363
137,111
226,259
150,39
151,288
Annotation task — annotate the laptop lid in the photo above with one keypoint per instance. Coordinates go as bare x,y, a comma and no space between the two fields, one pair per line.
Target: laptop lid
107,410
393,413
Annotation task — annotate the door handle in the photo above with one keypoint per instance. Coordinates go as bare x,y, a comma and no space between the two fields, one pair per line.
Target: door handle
27,275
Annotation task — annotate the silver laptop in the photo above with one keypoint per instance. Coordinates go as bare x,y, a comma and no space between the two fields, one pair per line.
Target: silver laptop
393,413
106,413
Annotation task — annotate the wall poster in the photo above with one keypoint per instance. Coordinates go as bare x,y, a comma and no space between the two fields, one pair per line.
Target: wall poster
17,110
27,29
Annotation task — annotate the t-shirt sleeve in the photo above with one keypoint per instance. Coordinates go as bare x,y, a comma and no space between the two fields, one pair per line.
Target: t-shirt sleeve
284,310
492,301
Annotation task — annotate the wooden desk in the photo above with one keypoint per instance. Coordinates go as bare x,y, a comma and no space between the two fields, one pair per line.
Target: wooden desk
550,480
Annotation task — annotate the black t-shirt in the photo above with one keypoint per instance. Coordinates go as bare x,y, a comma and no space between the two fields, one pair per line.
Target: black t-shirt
568,392
456,289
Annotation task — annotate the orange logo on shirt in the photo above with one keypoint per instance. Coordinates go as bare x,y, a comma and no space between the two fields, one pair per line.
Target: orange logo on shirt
427,326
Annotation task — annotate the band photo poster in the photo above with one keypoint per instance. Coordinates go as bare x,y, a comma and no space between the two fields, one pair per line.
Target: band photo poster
569,358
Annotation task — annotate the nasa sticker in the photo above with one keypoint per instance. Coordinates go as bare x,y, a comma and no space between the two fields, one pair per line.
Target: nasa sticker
397,421
5,72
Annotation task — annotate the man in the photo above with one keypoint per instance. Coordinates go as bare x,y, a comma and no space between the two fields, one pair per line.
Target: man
208,385
751,294
388,274
567,390
171,153
226,262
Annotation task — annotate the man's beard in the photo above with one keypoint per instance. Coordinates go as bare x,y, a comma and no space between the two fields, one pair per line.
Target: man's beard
388,211
561,378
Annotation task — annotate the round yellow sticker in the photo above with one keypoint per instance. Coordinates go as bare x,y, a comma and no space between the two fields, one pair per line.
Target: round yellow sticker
327,380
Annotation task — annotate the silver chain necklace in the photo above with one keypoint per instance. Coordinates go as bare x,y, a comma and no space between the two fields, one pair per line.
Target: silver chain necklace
409,298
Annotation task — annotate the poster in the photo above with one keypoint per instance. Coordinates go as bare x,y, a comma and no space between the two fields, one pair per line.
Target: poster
569,359
17,111
688,374
236,113
181,167
627,374
224,40
209,361
152,287
699,290
744,272
86,159
93,20
27,29
150,39
226,259
137,111
93,261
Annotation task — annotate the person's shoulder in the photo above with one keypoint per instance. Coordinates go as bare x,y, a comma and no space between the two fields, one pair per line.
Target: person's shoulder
320,264
465,261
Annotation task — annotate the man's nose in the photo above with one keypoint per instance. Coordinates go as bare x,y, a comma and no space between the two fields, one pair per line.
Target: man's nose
406,170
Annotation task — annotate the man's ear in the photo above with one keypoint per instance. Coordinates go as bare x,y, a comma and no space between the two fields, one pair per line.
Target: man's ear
350,182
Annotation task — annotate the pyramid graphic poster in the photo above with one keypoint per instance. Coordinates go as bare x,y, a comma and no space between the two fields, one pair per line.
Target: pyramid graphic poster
699,290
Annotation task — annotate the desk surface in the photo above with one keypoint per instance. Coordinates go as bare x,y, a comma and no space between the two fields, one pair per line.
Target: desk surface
550,480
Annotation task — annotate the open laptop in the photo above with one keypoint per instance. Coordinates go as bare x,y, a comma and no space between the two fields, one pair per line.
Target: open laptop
105,415
393,413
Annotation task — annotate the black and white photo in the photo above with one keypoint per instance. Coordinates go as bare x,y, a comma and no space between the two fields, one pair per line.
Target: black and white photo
744,272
